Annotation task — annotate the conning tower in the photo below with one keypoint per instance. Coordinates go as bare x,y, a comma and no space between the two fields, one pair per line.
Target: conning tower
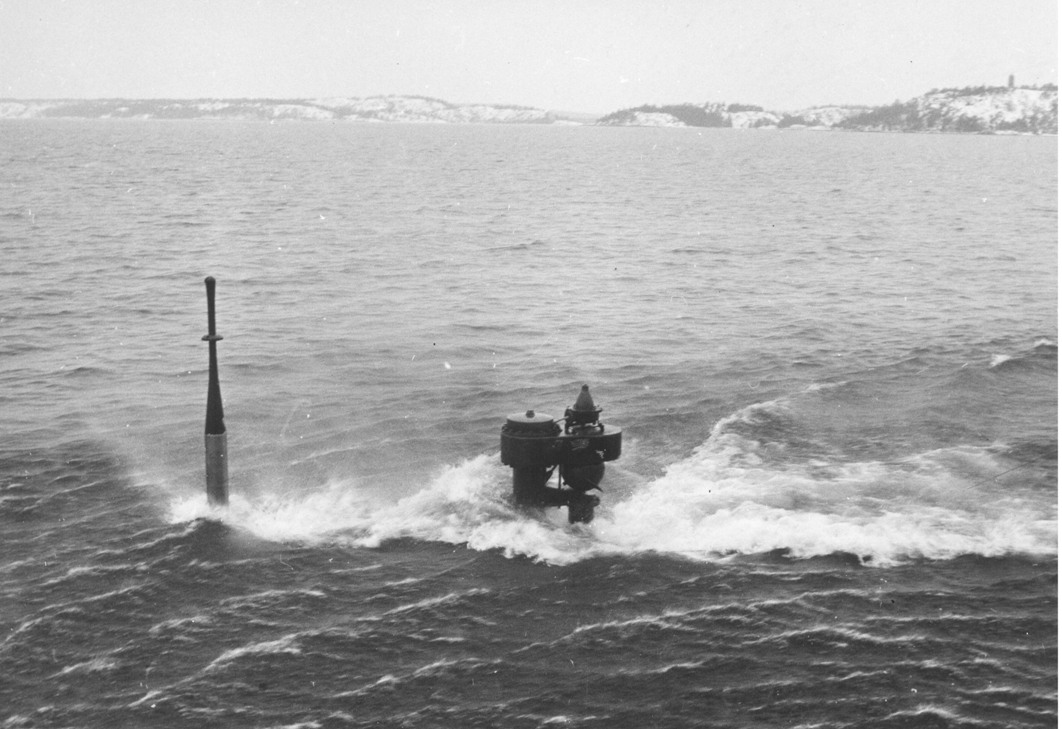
535,445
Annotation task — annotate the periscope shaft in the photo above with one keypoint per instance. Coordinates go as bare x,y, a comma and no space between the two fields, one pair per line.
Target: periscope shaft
217,452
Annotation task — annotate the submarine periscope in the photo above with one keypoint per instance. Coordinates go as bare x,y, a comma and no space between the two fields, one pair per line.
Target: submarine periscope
535,445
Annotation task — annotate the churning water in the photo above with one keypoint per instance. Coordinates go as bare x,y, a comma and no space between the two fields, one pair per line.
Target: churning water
834,358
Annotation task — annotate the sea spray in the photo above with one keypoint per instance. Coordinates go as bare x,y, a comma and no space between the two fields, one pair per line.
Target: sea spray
718,502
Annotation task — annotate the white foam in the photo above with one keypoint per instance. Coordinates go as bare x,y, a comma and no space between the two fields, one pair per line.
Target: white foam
96,665
724,499
721,500
284,517
286,644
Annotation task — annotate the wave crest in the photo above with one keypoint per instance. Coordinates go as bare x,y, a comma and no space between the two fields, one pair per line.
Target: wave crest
723,500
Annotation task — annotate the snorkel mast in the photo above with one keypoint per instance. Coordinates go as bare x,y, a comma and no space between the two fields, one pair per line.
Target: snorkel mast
217,451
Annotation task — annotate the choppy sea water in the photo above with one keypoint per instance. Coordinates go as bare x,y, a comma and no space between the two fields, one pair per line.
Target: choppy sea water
833,356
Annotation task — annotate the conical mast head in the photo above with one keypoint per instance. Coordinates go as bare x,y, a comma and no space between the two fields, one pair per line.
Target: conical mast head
584,412
584,401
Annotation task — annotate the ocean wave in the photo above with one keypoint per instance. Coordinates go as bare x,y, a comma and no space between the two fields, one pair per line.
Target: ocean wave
287,644
770,479
272,598
95,665
1042,354
430,603
724,499
439,669
936,505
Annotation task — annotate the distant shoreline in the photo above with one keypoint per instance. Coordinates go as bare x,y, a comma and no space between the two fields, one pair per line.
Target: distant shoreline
977,110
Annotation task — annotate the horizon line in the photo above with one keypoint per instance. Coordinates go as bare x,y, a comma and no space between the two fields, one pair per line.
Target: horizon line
1043,86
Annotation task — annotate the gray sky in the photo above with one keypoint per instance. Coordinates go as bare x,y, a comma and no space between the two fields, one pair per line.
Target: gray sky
569,55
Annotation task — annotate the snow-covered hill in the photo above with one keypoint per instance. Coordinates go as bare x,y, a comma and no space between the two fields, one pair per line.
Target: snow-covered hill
736,116
981,109
374,108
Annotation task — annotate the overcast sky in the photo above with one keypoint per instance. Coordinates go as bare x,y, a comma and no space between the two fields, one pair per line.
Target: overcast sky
567,55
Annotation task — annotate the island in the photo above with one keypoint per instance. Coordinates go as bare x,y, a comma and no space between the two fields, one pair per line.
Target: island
1007,109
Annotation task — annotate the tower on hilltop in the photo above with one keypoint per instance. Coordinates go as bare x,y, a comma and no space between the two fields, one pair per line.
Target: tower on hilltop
1010,82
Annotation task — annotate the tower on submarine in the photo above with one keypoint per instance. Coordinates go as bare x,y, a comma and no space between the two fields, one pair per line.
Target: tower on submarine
577,446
